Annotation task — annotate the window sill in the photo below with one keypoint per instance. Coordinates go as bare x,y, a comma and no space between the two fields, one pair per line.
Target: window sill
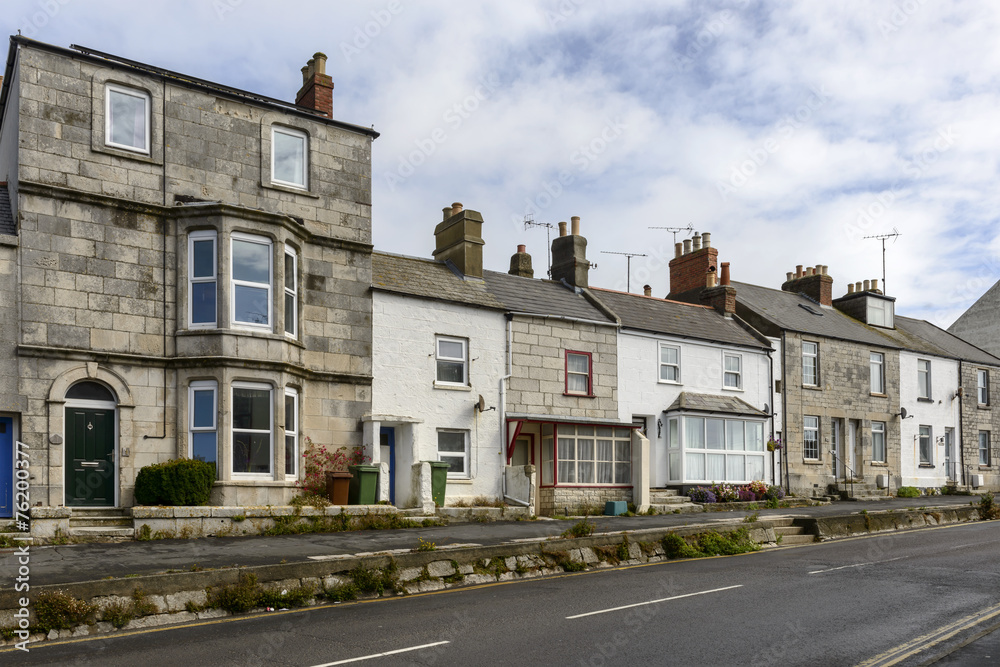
985,467
983,406
926,465
289,188
673,382
139,156
813,462
257,333
812,387
921,399
568,393
876,394
452,387
739,389
878,464
460,480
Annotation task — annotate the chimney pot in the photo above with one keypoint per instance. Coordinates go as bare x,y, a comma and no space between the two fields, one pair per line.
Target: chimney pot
678,250
562,229
456,208
826,270
857,287
788,276
850,288
868,285
798,270
725,273
575,220
875,284
647,290
520,263
521,247
710,279
696,242
319,58
687,246
706,240
446,213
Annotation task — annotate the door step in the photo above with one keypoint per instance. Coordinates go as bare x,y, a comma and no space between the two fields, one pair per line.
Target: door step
793,535
102,532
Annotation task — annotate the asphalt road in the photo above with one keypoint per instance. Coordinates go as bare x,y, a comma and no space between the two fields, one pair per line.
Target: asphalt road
899,598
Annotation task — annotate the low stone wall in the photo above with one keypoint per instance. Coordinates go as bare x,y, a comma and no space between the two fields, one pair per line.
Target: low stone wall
886,521
177,597
578,500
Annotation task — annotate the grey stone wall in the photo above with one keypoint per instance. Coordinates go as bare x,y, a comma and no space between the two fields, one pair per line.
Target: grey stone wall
976,418
103,255
578,500
844,393
538,381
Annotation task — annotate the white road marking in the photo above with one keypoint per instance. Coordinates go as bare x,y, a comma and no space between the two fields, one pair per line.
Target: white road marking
640,604
381,655
844,567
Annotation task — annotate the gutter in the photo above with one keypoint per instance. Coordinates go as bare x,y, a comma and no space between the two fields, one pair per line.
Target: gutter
564,318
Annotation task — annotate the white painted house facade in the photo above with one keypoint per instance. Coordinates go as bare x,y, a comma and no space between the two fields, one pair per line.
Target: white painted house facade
927,389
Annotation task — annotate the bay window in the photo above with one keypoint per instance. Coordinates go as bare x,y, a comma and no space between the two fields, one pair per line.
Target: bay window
202,290
291,432
202,416
291,292
715,449
251,281
593,455
253,420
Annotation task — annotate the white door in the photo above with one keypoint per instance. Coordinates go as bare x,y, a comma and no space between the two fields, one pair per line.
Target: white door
852,447
837,463
949,465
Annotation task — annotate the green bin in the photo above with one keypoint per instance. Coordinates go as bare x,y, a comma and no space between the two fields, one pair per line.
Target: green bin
364,485
439,481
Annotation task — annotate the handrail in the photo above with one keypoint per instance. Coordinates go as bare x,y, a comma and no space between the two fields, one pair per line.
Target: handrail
847,468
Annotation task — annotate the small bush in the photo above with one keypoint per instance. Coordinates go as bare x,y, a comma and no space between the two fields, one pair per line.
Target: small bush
236,598
178,482
376,581
988,508
709,543
57,610
342,593
700,494
581,528
774,493
908,492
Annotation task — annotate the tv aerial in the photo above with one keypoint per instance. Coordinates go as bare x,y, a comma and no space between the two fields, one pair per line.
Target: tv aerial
883,237
628,270
676,230
529,222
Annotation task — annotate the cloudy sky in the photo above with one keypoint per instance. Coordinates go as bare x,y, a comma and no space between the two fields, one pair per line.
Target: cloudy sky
789,130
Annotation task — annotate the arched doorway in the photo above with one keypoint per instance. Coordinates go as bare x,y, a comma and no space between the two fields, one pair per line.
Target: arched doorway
91,434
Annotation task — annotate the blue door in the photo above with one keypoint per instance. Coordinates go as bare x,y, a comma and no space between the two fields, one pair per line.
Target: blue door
6,467
387,450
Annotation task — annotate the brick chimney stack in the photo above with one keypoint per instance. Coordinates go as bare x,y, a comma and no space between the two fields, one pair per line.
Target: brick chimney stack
720,296
459,238
520,263
317,88
692,261
811,281
569,255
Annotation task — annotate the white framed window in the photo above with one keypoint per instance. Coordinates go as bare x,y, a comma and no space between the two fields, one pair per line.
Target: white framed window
594,455
453,449
670,363
923,378
926,442
203,429
253,428
732,371
291,432
126,118
578,373
880,312
876,367
202,279
984,448
291,292
452,360
810,363
810,438
717,449
878,442
983,387
289,157
251,281
548,455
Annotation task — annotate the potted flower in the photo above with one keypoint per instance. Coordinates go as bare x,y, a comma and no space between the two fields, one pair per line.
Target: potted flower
774,444
326,471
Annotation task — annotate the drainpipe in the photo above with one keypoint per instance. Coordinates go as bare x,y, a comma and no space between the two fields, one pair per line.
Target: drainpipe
503,408
784,413
770,389
961,438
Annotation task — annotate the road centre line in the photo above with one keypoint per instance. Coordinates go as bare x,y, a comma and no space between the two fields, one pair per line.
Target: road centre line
844,567
381,655
640,604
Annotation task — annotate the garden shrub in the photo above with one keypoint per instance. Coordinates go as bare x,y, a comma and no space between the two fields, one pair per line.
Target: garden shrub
176,482
700,494
908,492
988,509
57,610
774,493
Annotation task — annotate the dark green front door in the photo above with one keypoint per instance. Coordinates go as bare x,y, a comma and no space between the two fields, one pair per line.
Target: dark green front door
90,457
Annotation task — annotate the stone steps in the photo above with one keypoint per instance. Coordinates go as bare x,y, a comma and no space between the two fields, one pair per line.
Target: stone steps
102,532
676,508
101,522
793,535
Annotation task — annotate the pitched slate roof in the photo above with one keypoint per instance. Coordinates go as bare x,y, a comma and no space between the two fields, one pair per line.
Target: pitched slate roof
542,297
734,405
429,279
796,312
432,279
7,225
922,336
647,313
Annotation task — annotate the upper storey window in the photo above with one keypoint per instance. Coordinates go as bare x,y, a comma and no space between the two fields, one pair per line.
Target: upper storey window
289,161
251,280
126,118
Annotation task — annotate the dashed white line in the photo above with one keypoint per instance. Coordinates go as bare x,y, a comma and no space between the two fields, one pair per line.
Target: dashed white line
640,604
380,655
844,567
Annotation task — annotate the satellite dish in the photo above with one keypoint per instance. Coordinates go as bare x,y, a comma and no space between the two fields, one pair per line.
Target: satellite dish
481,404
902,412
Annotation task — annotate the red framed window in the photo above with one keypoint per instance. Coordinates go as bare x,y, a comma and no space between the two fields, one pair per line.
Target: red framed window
579,373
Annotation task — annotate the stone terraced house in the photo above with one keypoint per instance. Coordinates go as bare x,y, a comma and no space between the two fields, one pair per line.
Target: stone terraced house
186,271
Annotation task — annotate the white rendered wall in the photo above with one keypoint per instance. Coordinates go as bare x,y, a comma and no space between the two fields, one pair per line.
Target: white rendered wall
641,393
941,412
404,369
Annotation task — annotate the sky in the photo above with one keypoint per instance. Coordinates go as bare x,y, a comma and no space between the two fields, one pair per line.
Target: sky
790,131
